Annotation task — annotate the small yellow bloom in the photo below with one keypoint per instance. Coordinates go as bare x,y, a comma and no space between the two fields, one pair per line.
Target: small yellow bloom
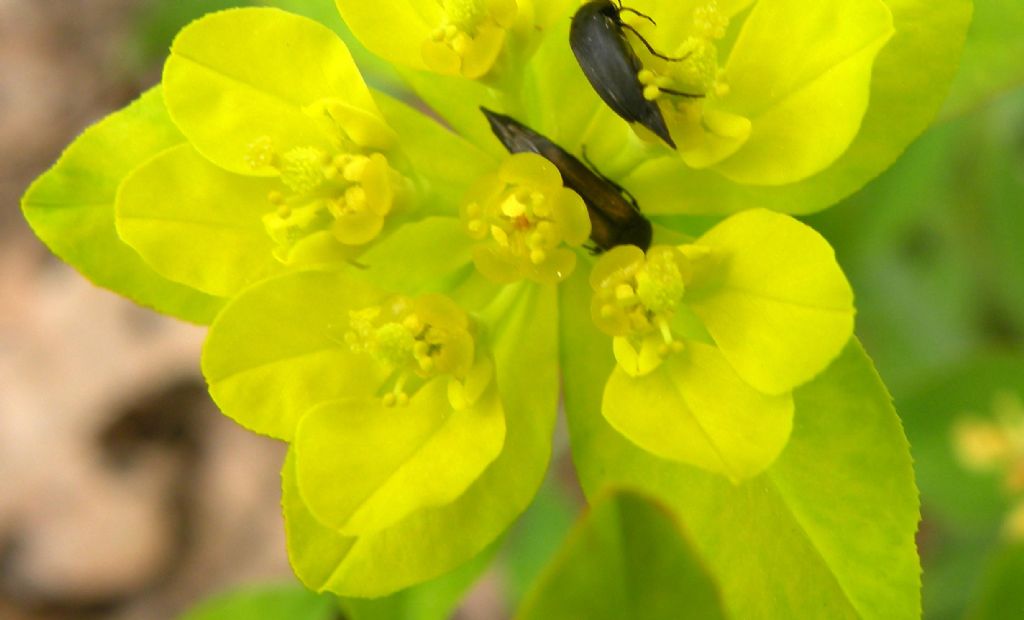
523,218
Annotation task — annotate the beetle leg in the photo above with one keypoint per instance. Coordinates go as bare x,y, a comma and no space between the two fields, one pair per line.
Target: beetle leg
651,49
626,9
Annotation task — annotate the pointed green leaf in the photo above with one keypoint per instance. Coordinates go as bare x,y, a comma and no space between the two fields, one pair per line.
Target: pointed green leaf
363,467
838,503
244,75
627,558
909,81
71,208
197,224
277,350
521,335
269,603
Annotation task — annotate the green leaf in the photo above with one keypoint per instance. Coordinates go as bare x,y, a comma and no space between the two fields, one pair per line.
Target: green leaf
627,558
838,503
964,510
1001,594
521,334
197,224
363,466
71,208
991,61
268,603
277,350
245,75
908,84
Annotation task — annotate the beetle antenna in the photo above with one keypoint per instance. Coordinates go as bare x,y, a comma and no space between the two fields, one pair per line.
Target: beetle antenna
625,9
680,93
654,51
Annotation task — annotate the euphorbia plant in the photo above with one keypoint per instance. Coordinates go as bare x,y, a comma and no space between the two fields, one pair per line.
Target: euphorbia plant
400,300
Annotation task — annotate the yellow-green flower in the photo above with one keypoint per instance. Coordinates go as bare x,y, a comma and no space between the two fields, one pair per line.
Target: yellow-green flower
712,337
400,302
281,163
450,37
783,100
524,217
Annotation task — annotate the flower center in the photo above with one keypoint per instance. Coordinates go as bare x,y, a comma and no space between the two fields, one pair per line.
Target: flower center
345,196
688,83
694,66
636,297
413,340
524,217
469,36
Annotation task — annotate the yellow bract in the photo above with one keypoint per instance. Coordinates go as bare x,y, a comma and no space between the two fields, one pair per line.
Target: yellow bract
302,114
783,103
712,337
450,37
523,216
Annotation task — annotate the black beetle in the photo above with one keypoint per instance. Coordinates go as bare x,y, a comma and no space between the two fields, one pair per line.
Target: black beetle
614,219
598,39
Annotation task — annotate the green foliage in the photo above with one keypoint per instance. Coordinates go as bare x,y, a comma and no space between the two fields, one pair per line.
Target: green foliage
628,558
270,603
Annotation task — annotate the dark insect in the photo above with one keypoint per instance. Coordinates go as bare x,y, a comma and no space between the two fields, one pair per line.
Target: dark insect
598,39
615,218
